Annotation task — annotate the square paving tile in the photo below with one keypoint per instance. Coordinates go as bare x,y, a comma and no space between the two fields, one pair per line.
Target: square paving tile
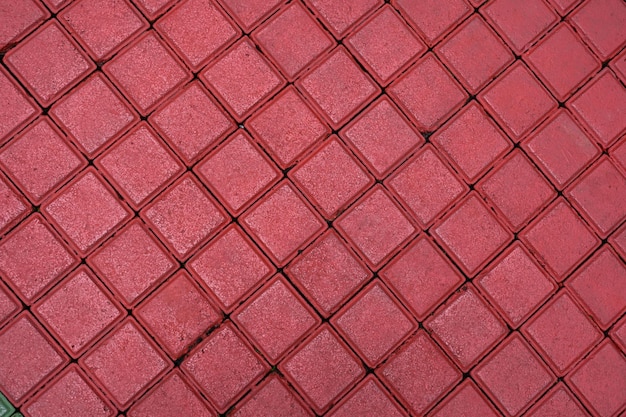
16,107
558,401
272,398
18,19
368,397
466,400
250,13
601,24
341,17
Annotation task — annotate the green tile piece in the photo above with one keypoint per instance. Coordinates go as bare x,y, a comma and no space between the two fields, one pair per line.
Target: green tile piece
6,409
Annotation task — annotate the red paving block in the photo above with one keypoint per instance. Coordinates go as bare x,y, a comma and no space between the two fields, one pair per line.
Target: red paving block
272,398
250,13
373,323
601,24
102,28
466,400
242,79
224,366
561,332
173,394
559,401
520,25
474,53
471,141
14,206
618,240
146,62
70,394
39,159
10,305
184,321
414,92
341,17
238,172
517,87
230,266
600,380
93,114
86,211
56,5
33,258
153,8
471,234
421,277
375,226
562,61
513,376
34,358
191,122
426,186
327,273
560,148
432,19
286,127
515,284
184,216
19,19
563,7
599,107
16,108
275,318
600,194
618,154
381,136
322,369
139,165
618,334
282,223
600,286
368,399
292,39
516,190
132,262
370,45
197,30
48,62
331,177
78,311
559,239
338,87
419,374
125,363
466,327
618,64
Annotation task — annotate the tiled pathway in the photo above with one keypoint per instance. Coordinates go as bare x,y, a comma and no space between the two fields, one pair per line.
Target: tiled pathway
338,208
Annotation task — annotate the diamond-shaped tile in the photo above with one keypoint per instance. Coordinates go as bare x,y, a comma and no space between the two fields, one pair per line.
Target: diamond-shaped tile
559,401
341,16
366,398
250,13
275,318
428,93
431,18
322,369
16,108
224,366
86,211
513,376
373,323
466,400
371,44
48,62
381,136
33,257
191,122
286,127
474,53
9,305
230,266
184,216
426,186
517,88
292,39
331,177
338,87
327,272
139,165
185,321
282,222
515,284
471,234
18,19
242,79
146,71
238,172
132,262
272,398
78,311
102,27
419,374
601,23
125,363
375,226
471,141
